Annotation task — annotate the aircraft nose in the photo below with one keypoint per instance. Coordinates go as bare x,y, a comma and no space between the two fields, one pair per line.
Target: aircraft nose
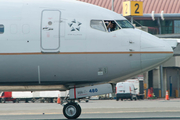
154,51
151,43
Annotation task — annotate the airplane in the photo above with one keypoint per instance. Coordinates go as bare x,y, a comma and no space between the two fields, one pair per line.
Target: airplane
65,45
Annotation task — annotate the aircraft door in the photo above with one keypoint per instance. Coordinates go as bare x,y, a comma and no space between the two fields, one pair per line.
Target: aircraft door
50,31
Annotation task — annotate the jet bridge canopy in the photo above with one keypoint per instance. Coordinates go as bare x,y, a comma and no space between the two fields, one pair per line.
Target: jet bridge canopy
175,43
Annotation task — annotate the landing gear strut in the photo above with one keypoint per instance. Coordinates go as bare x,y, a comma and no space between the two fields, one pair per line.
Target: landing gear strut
72,110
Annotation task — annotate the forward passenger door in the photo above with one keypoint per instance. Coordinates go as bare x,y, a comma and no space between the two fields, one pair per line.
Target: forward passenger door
50,31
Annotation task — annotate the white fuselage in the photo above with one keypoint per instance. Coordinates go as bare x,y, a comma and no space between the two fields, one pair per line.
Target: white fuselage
53,43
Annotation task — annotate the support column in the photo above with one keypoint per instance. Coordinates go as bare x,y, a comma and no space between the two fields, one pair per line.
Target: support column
150,79
112,5
131,19
146,79
159,25
178,85
178,81
165,82
145,83
161,79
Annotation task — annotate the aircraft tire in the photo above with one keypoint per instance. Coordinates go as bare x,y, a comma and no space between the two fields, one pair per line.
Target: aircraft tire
3,100
117,99
79,100
131,98
26,100
72,110
17,100
135,98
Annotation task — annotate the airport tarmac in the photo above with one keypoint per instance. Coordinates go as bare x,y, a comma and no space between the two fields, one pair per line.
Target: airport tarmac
95,109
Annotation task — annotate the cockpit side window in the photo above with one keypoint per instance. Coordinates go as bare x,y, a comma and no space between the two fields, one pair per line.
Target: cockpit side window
1,29
111,25
124,24
98,25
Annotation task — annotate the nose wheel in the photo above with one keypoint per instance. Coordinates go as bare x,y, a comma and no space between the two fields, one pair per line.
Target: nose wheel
72,110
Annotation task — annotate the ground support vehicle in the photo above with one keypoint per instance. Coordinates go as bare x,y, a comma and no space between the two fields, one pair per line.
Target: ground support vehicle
125,90
138,84
28,96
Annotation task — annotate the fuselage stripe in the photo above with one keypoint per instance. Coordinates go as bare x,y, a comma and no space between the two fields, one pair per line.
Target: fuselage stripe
165,52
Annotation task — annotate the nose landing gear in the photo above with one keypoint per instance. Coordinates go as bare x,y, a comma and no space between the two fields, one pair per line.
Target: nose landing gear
72,110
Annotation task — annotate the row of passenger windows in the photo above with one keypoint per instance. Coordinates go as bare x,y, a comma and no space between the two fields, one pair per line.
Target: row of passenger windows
1,29
110,25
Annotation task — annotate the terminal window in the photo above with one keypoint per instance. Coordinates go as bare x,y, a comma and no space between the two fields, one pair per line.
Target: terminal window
1,29
152,25
167,27
176,26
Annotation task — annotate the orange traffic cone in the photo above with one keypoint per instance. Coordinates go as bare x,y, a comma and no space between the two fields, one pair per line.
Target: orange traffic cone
58,100
167,96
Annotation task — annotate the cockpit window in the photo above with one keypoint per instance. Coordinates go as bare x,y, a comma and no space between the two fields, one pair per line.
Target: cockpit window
111,25
124,24
97,24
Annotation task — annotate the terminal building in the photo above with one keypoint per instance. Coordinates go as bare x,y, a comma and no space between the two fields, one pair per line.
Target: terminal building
160,18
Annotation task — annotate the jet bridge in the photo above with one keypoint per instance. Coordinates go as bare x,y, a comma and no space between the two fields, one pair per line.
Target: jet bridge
175,43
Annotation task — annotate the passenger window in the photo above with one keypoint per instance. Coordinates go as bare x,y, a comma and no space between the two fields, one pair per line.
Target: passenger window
124,24
1,29
98,25
111,25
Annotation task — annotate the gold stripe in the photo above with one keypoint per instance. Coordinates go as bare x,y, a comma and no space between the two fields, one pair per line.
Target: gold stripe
38,53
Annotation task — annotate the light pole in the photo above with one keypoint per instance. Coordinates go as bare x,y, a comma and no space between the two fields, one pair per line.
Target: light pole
112,5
